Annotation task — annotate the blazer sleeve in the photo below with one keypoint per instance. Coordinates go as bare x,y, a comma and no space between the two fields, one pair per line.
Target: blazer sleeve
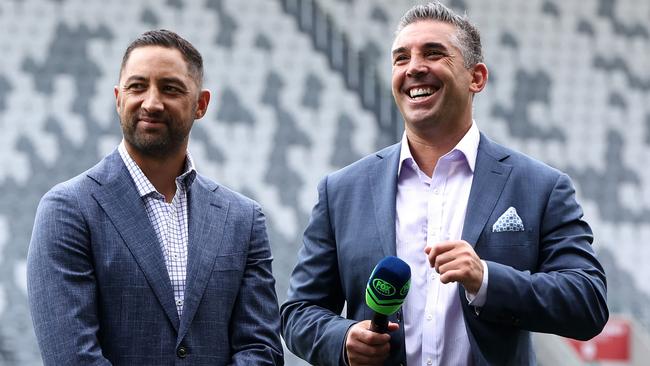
567,294
255,323
311,324
61,283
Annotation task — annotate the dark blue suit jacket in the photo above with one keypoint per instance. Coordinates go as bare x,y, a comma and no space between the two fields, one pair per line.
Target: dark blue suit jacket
543,279
100,294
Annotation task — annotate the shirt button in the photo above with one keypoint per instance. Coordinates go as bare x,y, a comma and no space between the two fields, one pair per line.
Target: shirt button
181,352
436,191
429,317
429,362
179,302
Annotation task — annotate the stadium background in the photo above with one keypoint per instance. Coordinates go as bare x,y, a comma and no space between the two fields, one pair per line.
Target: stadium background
302,87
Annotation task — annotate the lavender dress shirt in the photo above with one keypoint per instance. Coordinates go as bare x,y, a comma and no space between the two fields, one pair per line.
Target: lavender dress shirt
430,210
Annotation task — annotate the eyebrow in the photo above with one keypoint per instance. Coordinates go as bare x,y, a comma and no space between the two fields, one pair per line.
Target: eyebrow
166,80
426,46
172,80
134,78
435,45
398,50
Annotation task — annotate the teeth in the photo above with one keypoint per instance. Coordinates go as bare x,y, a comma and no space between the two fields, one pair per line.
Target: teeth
419,92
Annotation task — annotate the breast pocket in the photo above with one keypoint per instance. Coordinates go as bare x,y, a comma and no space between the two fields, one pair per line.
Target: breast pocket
230,262
510,238
518,249
222,289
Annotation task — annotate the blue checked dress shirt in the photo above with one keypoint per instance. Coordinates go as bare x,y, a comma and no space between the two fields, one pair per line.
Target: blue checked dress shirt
168,219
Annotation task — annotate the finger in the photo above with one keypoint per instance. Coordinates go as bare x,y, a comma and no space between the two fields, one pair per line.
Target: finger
392,326
445,246
458,260
359,332
463,276
460,251
371,338
428,250
440,249
444,259
359,353
470,278
450,276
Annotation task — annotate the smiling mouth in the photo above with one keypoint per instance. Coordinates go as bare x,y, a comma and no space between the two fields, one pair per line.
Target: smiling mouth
421,92
150,120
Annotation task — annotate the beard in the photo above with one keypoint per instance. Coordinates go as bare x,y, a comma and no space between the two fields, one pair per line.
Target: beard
158,143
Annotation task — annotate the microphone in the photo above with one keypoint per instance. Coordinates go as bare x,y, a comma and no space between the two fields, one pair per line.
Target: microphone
386,290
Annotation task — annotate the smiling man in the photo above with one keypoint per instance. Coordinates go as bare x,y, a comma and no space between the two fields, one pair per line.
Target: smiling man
143,261
495,240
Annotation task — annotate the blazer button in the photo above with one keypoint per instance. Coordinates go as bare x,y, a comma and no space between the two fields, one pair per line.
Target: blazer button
181,352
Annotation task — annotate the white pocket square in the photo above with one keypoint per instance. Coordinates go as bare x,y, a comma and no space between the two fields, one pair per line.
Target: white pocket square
509,221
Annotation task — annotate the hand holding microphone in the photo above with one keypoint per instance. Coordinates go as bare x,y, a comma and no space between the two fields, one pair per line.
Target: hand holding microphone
386,290
367,342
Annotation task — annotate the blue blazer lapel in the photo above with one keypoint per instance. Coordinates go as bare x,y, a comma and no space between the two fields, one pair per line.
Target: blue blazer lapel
383,185
207,218
119,198
490,176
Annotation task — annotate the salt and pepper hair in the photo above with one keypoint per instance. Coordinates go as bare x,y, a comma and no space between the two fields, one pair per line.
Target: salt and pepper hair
467,38
169,39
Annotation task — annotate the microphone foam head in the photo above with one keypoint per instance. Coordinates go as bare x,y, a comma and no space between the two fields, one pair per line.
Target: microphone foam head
388,285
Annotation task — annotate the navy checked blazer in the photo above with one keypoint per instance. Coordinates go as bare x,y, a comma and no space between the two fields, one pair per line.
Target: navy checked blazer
100,294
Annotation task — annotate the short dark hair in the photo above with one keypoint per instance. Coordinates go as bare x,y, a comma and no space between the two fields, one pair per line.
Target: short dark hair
469,38
169,39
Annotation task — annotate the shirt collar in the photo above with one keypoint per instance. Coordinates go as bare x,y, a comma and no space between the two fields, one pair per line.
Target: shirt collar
143,184
189,173
467,146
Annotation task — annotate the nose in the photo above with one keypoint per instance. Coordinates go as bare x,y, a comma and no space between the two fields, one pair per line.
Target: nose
416,67
152,100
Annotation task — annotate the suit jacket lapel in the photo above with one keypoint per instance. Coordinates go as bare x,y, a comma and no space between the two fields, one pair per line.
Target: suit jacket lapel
119,198
383,185
207,219
490,176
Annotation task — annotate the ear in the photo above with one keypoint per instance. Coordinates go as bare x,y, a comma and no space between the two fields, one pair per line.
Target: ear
479,75
202,105
116,90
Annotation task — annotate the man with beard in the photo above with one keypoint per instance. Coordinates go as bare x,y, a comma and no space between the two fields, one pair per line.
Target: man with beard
495,240
143,261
